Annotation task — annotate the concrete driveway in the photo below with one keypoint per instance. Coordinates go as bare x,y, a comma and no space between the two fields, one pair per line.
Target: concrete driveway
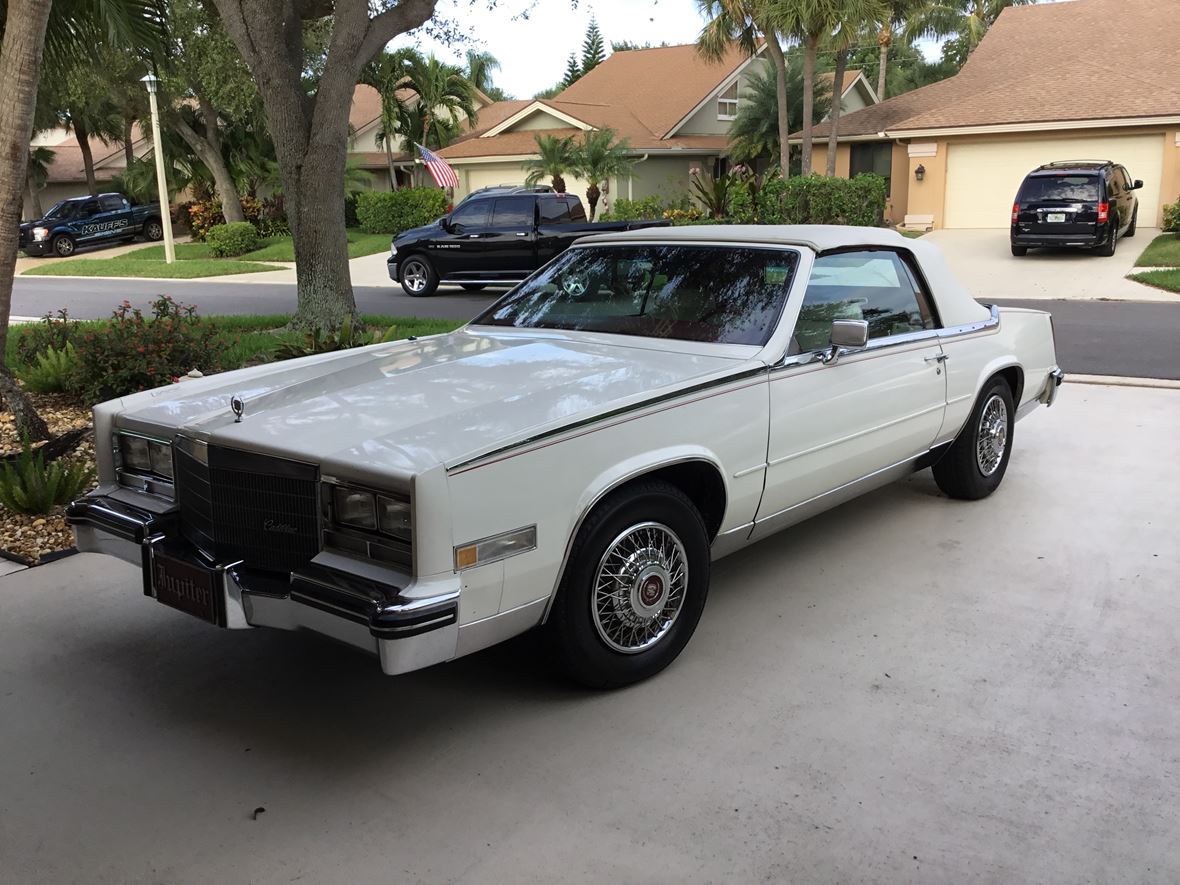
983,261
907,689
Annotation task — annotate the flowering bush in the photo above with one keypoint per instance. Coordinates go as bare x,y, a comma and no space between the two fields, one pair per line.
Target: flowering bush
136,353
268,216
55,330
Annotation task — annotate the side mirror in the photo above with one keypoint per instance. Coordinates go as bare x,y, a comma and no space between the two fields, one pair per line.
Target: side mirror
445,223
1138,184
845,333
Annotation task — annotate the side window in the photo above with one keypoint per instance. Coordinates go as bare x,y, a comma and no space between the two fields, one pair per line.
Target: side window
1114,183
727,103
474,214
90,207
554,210
513,212
110,203
577,210
877,286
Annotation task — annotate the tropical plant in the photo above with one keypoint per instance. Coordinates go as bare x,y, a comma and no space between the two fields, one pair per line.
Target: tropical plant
856,17
350,334
598,157
445,99
557,156
964,22
40,159
385,74
29,485
50,371
481,66
747,22
593,50
892,17
755,131
712,193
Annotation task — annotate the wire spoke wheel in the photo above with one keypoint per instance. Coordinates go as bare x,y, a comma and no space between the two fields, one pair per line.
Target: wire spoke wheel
992,435
639,587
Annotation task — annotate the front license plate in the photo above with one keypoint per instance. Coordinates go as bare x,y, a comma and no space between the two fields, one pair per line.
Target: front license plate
1055,217
191,589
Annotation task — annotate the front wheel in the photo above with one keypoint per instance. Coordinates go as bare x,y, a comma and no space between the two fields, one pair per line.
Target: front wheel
63,246
976,462
419,279
634,587
153,230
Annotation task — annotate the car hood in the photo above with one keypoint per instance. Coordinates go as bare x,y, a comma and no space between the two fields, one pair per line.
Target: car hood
408,406
415,233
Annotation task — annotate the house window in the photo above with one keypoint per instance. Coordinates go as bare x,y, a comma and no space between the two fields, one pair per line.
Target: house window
874,157
727,103
720,168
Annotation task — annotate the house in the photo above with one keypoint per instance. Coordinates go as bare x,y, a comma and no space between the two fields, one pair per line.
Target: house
857,92
66,174
673,107
1082,79
368,153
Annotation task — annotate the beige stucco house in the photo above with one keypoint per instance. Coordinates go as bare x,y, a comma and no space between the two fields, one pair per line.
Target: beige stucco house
1081,79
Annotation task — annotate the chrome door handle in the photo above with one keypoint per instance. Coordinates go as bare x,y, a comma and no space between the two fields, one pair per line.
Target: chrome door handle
941,358
521,234
473,236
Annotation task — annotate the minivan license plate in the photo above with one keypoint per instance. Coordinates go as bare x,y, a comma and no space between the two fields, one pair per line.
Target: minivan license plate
1055,217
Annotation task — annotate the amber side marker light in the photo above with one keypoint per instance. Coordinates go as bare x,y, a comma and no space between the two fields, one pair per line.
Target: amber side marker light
496,547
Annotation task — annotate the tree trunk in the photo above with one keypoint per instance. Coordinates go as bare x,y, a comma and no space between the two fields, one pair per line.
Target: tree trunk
834,115
592,195
223,182
128,153
811,46
389,164
20,63
884,39
558,184
774,49
35,199
82,134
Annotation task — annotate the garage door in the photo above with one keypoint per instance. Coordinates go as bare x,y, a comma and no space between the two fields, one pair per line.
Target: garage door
982,179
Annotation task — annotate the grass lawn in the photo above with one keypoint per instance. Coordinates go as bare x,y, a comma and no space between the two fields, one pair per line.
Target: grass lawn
126,266
1168,280
359,244
1163,251
257,338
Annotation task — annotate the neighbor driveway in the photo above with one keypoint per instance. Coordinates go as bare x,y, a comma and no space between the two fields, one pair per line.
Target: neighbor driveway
983,261
907,689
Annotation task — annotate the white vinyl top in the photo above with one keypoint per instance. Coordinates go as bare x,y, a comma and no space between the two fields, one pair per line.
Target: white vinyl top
817,237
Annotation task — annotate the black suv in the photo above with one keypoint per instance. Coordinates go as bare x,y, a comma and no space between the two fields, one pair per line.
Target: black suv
1086,203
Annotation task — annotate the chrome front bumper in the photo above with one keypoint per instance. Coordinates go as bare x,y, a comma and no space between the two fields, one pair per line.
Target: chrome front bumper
408,624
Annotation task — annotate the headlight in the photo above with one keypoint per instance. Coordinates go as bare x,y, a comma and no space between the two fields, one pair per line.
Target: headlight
135,452
371,511
40,233
143,462
392,249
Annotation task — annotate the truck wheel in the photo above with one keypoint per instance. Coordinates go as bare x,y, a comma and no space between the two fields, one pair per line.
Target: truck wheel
63,245
153,230
975,463
1134,223
473,287
633,589
1019,251
419,279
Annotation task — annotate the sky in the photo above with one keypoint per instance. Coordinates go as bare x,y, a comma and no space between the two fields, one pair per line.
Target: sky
532,51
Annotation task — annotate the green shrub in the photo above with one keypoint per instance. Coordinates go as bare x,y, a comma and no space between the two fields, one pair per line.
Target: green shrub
29,485
1172,217
135,353
350,334
54,331
643,209
391,212
818,199
51,370
231,240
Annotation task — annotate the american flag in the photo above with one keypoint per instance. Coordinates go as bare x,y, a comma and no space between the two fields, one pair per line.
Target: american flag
440,171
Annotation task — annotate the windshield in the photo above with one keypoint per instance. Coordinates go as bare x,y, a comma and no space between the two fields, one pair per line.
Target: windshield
1061,188
719,294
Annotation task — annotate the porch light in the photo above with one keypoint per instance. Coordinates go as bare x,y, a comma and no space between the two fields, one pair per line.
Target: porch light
920,172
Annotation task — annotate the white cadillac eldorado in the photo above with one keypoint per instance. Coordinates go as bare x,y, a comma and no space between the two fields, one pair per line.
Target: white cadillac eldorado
574,457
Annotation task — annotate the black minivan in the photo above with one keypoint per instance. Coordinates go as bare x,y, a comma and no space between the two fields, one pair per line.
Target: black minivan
1085,203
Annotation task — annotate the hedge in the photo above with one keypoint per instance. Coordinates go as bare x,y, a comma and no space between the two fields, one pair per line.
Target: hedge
391,212
230,240
818,199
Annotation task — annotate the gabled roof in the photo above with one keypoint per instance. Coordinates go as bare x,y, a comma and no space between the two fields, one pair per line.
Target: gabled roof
1083,61
366,104
850,78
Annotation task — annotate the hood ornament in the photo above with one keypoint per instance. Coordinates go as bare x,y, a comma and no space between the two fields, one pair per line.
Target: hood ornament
237,405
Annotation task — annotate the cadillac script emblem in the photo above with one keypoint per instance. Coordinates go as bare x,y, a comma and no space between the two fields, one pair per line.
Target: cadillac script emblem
237,405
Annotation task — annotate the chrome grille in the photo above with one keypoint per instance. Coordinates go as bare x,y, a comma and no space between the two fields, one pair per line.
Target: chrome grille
241,506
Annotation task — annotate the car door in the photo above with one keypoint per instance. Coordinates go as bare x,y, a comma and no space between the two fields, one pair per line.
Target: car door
553,215
455,249
511,239
113,218
839,418
87,223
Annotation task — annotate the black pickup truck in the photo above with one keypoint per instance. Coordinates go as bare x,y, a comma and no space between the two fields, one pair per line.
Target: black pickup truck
493,239
88,221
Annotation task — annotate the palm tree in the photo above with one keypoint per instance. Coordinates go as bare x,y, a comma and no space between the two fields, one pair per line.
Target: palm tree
34,29
597,158
965,22
445,97
755,132
480,68
386,74
40,159
895,15
744,21
855,17
811,21
557,157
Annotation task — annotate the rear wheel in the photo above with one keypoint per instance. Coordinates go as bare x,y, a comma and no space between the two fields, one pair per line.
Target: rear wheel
976,462
1107,249
1019,251
1134,223
634,588
153,230
419,279
63,246
473,287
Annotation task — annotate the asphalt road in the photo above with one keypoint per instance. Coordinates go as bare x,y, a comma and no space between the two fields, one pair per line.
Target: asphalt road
1136,339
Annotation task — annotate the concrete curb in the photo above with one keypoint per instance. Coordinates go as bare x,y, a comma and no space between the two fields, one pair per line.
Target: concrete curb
1123,381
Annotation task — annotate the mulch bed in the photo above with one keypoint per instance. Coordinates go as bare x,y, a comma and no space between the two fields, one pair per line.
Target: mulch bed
32,540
